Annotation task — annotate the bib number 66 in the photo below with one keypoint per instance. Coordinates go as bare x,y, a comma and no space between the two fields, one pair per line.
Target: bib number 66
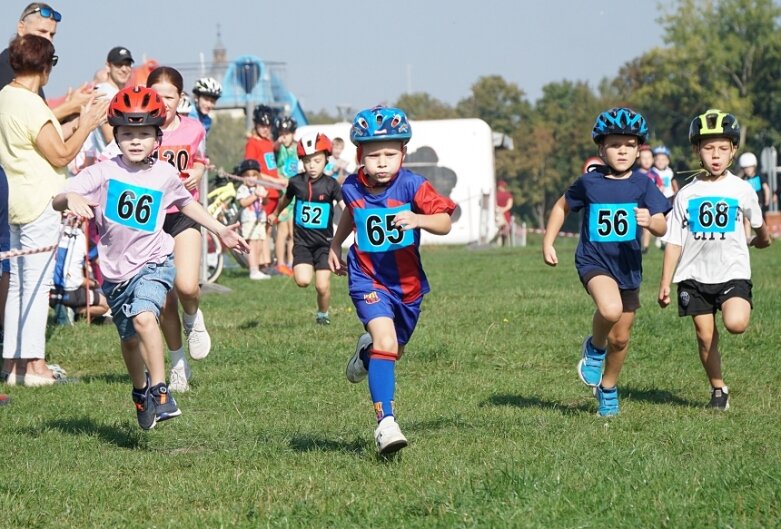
138,209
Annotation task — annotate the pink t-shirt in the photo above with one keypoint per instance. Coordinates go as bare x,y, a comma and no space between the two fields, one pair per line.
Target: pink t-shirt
130,211
184,146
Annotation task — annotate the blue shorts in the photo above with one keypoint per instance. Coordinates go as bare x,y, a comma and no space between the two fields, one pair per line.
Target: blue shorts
379,303
144,292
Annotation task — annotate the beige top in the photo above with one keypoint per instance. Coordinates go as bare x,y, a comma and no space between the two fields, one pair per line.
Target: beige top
32,180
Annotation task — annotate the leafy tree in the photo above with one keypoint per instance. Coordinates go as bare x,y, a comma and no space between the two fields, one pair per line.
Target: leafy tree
225,146
501,104
421,105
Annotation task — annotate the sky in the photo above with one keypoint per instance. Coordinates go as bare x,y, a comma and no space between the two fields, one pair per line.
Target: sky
357,53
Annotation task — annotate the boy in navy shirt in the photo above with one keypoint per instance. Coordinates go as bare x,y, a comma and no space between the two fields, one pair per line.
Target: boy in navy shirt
386,207
616,201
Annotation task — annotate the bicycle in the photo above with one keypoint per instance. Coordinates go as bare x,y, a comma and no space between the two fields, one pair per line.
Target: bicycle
222,205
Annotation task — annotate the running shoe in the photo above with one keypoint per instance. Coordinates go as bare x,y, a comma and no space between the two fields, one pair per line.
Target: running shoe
199,343
388,436
164,403
719,399
607,401
357,367
590,364
145,408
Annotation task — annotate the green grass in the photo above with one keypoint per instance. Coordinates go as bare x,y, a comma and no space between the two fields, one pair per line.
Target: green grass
502,433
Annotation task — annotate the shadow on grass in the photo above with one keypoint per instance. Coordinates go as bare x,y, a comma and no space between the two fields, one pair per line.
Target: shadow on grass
118,436
320,444
248,324
519,401
657,396
108,378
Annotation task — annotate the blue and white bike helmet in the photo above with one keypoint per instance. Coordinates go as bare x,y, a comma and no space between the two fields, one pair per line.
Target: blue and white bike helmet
380,124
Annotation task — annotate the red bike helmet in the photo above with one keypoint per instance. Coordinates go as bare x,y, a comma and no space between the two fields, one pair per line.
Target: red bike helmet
314,142
136,107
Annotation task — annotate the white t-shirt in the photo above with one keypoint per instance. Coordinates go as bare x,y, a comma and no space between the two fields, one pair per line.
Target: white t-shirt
254,212
97,143
666,175
707,222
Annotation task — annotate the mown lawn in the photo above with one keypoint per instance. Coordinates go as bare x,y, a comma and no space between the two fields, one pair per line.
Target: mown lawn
502,433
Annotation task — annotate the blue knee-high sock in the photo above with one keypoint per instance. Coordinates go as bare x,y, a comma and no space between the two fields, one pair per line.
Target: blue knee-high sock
382,382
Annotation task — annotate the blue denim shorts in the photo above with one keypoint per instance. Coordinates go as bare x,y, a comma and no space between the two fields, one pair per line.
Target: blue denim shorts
144,292
379,303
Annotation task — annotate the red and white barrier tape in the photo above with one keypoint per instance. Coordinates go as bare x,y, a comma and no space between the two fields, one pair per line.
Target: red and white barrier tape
16,252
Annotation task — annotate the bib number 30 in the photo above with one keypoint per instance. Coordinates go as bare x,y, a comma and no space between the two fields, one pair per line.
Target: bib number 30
612,222
132,206
375,231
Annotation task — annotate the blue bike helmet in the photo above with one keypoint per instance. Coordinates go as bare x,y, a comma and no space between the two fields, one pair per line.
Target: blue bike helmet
380,124
620,120
661,149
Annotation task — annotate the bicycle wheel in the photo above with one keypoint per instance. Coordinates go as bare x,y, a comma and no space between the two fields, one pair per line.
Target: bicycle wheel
214,257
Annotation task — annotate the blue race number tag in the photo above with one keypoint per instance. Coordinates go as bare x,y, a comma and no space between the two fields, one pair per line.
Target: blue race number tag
712,214
271,161
375,232
312,215
612,222
132,206
291,168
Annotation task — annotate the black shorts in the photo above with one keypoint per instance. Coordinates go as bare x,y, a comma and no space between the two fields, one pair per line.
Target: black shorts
316,256
695,298
176,223
630,298
74,298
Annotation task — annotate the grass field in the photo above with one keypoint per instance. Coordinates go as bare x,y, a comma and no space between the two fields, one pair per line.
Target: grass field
502,433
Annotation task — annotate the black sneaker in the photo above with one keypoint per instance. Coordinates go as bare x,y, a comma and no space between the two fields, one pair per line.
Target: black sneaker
145,408
719,399
165,405
323,320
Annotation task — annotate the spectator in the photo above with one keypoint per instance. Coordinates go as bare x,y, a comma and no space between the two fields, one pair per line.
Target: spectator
337,167
504,203
40,19
34,156
119,66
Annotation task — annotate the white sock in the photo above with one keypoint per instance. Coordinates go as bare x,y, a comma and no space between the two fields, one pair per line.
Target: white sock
189,319
177,358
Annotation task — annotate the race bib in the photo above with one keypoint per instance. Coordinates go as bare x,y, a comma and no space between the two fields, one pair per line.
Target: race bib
291,167
375,232
312,215
612,222
132,206
176,155
271,161
712,214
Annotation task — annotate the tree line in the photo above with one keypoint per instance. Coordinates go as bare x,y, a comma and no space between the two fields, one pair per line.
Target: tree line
717,53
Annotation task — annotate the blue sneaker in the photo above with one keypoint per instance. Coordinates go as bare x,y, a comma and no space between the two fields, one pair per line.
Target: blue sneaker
165,405
145,407
607,401
590,364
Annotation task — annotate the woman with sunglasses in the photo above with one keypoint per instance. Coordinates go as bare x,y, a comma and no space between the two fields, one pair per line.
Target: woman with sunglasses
34,155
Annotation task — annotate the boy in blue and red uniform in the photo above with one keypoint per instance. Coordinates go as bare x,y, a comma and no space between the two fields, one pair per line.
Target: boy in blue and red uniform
386,207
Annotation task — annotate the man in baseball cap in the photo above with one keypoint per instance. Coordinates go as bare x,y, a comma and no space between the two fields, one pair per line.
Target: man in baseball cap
119,66
119,55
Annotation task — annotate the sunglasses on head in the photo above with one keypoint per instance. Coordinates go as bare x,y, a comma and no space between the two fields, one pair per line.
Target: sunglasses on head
53,60
45,12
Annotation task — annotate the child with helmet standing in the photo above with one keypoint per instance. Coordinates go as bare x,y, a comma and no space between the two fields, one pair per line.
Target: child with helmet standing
616,201
707,252
253,219
287,165
206,92
758,182
130,194
314,198
386,207
260,147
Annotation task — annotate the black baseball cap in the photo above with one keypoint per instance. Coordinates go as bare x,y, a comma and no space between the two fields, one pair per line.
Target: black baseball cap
118,55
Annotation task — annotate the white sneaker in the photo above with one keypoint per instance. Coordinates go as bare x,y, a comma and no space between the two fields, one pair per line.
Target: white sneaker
389,437
355,371
179,378
257,275
199,343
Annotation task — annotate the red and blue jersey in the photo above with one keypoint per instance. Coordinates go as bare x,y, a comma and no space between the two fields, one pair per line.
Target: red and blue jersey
383,256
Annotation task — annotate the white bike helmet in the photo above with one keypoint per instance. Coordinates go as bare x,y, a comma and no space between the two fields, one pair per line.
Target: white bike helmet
747,159
207,86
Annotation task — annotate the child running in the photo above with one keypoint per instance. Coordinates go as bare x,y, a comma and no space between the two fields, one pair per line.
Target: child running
314,197
707,251
130,194
387,206
616,200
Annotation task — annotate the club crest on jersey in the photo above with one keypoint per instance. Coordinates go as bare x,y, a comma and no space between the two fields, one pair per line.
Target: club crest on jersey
371,298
